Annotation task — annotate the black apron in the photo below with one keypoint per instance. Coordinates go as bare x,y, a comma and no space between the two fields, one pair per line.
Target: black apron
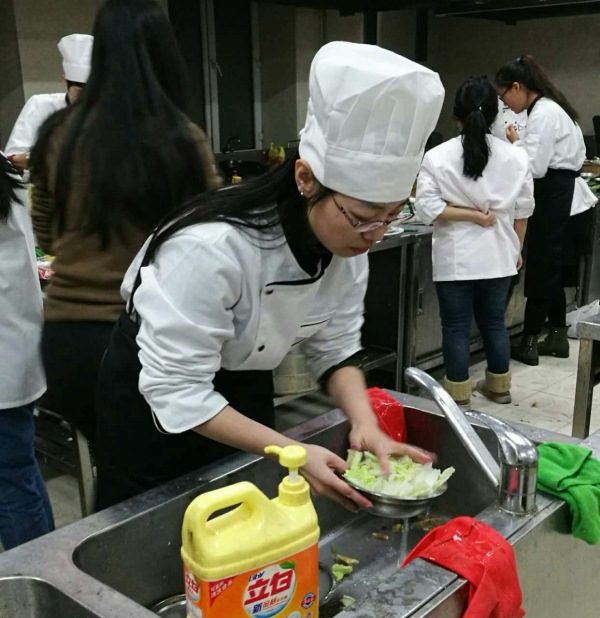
132,454
547,233
579,243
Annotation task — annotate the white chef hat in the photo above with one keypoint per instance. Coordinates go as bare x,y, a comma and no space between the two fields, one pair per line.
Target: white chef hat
369,115
76,52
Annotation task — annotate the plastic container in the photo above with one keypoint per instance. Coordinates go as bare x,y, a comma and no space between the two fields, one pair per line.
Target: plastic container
259,559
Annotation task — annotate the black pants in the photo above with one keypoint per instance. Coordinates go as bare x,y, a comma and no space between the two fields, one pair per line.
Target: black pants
536,312
72,353
132,454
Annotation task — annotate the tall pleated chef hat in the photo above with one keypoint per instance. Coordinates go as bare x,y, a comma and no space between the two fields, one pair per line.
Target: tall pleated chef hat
76,52
370,113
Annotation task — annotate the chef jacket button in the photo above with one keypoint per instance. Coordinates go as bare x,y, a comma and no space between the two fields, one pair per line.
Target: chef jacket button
261,348
269,292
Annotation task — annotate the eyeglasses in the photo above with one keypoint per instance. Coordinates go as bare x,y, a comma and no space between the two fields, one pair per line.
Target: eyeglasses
501,96
362,227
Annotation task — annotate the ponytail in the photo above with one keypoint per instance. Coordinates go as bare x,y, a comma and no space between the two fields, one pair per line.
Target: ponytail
476,107
526,71
8,186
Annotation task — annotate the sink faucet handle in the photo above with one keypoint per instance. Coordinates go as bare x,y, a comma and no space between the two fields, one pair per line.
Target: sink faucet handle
515,448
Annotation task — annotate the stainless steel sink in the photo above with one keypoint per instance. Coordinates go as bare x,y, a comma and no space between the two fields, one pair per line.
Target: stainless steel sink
140,556
125,559
28,597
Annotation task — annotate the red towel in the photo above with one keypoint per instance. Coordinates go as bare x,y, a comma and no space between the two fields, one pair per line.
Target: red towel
484,558
389,412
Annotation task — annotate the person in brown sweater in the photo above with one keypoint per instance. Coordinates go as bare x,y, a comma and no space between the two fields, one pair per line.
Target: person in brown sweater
104,174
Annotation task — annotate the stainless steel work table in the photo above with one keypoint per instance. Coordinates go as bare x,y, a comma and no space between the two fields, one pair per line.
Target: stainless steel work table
588,375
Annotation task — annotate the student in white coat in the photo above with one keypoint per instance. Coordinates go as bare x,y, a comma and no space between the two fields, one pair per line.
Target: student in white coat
478,192
232,280
76,53
554,144
25,511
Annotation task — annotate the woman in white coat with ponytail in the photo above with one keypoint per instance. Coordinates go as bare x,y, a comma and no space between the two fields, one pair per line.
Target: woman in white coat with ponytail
477,191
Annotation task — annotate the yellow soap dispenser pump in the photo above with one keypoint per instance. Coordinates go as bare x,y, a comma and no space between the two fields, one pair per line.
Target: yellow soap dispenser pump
259,559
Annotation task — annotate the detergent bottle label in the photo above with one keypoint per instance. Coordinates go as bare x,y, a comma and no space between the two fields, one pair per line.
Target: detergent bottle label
286,588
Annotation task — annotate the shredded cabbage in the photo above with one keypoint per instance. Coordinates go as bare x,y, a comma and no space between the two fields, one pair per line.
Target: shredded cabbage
406,479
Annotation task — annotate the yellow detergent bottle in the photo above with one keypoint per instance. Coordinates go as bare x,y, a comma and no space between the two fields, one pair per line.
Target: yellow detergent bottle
259,559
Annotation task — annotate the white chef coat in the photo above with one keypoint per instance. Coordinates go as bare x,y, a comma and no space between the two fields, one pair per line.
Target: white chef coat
505,118
463,250
216,298
37,109
22,377
553,140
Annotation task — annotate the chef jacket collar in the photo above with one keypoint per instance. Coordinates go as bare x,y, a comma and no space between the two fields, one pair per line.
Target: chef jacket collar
310,254
530,108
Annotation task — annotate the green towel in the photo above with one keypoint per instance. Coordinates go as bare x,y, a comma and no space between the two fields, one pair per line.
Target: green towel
570,472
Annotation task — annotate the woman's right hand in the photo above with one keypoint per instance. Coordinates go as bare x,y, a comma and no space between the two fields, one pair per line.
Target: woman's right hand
321,472
485,219
511,133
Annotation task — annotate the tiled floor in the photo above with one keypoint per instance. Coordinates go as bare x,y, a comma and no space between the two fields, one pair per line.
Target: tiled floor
541,396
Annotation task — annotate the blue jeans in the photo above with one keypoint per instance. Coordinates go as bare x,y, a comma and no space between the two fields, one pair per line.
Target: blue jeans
459,301
25,511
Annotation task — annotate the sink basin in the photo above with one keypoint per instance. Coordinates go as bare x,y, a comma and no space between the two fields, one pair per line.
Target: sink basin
139,557
28,597
121,561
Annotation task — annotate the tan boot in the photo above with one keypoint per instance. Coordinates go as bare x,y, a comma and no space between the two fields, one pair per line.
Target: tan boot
460,392
496,387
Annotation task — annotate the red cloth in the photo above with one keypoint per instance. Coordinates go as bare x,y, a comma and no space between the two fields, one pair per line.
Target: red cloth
484,558
389,412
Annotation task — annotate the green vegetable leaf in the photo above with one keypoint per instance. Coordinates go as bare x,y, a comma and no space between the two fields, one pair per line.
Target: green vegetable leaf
406,479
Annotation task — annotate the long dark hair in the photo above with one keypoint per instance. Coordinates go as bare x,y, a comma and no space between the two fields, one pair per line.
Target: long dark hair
9,184
476,106
260,207
128,139
526,70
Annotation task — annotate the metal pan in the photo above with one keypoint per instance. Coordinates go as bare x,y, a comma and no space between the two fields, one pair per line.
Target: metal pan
397,508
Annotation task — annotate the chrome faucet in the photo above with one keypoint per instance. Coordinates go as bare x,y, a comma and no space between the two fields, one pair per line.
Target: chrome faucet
516,476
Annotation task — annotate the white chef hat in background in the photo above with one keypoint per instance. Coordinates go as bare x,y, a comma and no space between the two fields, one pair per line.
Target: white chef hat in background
76,52
369,115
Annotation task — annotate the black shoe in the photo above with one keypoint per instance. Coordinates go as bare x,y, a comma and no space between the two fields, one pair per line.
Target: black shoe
526,351
555,343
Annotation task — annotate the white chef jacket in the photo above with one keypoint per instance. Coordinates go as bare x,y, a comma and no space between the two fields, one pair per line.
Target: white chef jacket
505,118
22,379
216,298
553,140
463,250
37,109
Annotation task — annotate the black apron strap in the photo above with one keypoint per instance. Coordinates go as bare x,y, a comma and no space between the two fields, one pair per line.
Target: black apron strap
133,455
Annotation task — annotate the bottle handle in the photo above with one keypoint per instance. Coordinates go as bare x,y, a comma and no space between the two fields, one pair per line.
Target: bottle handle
205,505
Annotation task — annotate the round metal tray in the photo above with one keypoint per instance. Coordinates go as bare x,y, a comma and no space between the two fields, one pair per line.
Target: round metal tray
397,508
173,607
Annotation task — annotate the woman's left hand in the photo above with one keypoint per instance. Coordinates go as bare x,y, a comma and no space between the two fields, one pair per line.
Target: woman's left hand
369,437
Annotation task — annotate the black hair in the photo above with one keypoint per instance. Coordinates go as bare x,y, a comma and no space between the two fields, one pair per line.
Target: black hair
259,206
128,140
9,183
476,107
526,71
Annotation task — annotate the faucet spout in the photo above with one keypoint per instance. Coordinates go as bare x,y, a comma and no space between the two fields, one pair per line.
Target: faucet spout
516,476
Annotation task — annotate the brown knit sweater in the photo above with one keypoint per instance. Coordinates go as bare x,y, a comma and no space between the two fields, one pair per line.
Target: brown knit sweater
87,278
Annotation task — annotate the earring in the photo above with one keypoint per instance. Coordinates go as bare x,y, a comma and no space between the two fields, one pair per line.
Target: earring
301,193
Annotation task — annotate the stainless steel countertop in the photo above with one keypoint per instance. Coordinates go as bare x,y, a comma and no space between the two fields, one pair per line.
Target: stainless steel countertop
590,328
